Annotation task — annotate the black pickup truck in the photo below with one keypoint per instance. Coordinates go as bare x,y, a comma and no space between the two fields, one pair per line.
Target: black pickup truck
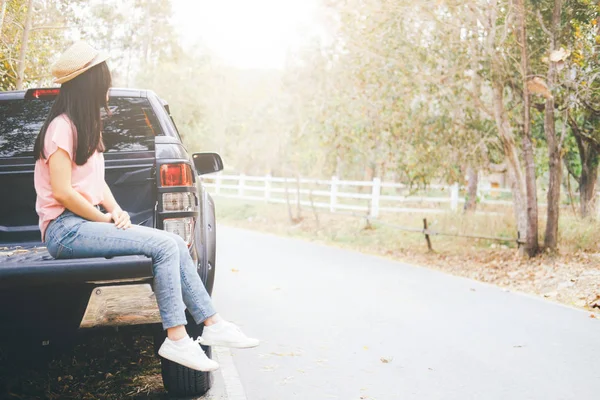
43,301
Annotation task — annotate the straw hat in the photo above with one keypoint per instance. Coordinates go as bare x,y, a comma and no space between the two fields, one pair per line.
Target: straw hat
75,61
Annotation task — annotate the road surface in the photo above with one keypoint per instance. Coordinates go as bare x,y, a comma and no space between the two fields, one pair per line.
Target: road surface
337,324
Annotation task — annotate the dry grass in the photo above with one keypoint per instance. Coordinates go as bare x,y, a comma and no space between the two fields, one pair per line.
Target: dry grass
105,365
571,277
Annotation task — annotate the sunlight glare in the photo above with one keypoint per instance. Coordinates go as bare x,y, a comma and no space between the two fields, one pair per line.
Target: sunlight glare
245,33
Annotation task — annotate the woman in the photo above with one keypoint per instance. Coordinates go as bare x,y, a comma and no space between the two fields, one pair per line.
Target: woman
70,186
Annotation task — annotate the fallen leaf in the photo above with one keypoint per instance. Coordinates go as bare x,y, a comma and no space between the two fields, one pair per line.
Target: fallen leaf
538,86
386,360
290,354
235,270
365,347
559,55
593,316
594,302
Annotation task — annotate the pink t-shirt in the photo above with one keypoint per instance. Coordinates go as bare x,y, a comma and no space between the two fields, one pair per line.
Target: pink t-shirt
87,179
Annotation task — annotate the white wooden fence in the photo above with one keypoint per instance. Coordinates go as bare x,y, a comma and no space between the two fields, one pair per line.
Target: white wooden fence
372,197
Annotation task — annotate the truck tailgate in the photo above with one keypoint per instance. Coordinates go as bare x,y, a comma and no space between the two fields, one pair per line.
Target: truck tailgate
32,266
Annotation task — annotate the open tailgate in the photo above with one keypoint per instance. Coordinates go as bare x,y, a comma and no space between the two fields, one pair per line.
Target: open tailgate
33,266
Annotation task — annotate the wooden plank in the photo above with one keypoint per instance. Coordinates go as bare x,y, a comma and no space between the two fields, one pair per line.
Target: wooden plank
121,305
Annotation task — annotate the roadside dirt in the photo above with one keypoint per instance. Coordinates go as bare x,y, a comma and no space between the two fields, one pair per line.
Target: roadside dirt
573,280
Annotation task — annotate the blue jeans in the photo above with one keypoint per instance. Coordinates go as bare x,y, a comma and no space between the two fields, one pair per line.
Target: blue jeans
177,284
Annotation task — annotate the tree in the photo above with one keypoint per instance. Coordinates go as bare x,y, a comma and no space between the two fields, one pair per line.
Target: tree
583,117
2,13
555,142
32,36
531,245
24,45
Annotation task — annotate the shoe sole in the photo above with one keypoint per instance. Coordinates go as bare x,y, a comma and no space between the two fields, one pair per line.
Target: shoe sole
233,345
188,365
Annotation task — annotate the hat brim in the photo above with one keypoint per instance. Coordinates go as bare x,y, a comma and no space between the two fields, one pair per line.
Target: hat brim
101,57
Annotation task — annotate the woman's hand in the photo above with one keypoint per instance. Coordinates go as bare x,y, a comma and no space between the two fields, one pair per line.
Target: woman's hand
107,218
121,219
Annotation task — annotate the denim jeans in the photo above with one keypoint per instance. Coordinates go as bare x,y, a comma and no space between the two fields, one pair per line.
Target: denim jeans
177,284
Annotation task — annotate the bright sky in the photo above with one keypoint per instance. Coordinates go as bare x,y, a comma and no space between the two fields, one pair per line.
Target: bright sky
247,33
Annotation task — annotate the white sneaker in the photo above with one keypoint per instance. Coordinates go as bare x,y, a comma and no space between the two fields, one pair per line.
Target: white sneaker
226,334
188,353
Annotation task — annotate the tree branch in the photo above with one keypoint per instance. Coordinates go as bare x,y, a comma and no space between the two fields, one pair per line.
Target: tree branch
580,134
570,170
542,24
38,28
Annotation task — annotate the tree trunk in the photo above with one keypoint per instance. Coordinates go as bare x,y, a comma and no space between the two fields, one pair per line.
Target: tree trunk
531,245
502,124
554,144
587,185
512,159
589,159
471,203
2,13
24,45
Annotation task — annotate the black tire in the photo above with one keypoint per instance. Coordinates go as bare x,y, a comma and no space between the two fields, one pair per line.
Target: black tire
181,381
178,380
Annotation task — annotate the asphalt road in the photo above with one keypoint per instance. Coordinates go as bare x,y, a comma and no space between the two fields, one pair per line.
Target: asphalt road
336,324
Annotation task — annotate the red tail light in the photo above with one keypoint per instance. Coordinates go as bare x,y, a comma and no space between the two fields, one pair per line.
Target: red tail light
176,175
37,93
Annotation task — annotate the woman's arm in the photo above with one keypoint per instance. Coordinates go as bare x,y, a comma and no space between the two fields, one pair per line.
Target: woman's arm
109,201
120,217
62,190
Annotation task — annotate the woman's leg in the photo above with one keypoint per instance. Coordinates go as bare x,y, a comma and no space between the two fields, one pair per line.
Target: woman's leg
74,237
176,280
217,331
195,296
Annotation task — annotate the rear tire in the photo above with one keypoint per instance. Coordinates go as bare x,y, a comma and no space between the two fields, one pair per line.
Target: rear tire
178,380
181,381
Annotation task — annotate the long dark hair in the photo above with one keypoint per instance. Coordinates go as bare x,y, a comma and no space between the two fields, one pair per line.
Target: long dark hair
81,99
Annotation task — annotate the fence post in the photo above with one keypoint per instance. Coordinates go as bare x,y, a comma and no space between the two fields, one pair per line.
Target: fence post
454,197
333,193
218,184
268,188
375,193
426,233
242,180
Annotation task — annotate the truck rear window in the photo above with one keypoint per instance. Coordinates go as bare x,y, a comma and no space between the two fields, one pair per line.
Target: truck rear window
131,126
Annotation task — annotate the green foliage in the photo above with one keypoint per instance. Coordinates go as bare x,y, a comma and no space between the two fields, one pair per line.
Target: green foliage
51,19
